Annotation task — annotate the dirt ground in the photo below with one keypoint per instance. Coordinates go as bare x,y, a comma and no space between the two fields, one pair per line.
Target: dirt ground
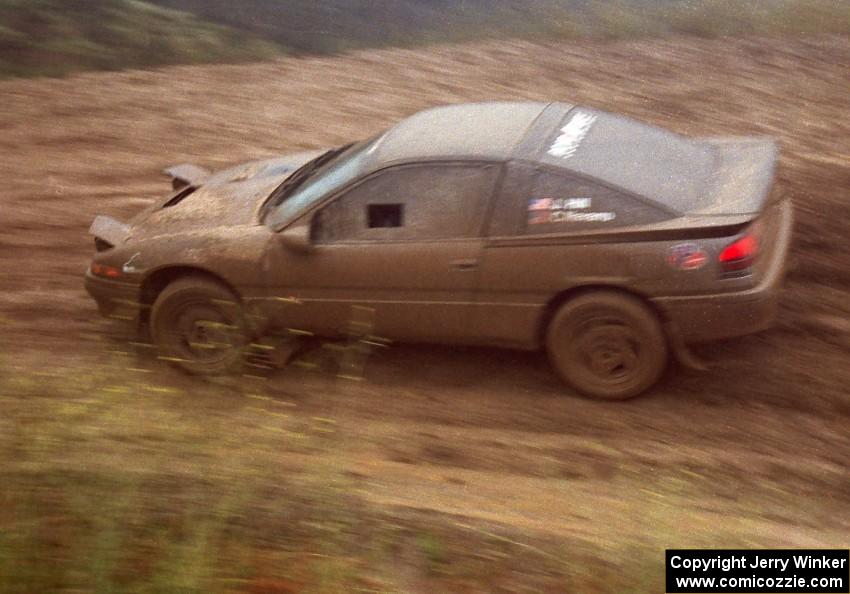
751,453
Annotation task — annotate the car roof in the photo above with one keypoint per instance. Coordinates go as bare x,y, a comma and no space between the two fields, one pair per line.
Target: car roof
635,156
490,131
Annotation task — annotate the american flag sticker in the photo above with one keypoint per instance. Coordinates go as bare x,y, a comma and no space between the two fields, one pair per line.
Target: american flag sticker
540,204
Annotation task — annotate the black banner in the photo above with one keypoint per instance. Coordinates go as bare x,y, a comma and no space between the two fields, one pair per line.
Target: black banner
768,570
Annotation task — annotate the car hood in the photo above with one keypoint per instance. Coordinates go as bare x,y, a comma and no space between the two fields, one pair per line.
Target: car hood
278,167
226,198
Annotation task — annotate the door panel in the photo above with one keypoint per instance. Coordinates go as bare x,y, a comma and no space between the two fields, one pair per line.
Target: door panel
412,290
403,243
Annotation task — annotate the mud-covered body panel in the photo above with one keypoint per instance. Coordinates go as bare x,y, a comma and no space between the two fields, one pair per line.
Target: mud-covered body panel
658,236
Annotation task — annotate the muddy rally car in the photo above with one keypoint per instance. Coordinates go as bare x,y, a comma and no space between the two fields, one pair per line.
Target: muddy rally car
605,242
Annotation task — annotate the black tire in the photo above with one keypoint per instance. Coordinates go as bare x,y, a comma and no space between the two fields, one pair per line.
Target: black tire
607,345
199,325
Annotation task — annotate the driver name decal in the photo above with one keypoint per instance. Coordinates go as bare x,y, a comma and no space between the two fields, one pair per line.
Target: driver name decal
561,210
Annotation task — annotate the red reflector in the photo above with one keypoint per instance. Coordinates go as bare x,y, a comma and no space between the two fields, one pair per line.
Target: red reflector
746,247
103,270
740,254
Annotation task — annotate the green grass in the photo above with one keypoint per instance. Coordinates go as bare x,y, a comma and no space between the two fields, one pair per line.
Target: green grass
719,18
114,479
56,37
327,26
114,483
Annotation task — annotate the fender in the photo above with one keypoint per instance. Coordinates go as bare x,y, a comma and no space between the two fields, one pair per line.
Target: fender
109,230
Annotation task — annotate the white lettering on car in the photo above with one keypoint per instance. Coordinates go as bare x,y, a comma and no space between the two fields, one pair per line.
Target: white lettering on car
572,134
559,210
570,203
560,216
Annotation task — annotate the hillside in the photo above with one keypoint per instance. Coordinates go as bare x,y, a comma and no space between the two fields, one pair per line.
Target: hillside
330,25
53,37
444,469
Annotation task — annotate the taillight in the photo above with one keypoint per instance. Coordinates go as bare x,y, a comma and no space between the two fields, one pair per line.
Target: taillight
740,255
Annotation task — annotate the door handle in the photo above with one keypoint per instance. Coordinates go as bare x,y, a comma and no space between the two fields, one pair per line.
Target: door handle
470,264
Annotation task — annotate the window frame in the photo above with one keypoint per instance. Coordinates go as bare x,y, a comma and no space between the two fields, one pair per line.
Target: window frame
513,209
307,217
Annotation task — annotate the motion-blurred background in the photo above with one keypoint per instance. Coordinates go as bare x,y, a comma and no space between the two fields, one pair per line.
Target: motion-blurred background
49,37
442,469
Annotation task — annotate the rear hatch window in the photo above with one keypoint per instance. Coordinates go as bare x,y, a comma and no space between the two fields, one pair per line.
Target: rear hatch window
642,159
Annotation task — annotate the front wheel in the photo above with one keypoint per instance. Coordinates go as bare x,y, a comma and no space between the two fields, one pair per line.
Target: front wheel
199,325
607,345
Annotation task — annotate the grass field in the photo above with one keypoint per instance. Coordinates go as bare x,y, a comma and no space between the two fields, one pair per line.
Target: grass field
118,482
56,37
136,486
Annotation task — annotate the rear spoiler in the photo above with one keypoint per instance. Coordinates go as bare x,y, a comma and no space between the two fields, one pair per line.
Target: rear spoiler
743,178
186,175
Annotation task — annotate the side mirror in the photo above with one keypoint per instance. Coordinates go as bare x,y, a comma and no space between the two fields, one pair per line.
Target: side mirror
297,238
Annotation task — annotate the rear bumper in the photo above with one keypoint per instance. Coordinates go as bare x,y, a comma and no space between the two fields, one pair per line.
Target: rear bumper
114,299
701,318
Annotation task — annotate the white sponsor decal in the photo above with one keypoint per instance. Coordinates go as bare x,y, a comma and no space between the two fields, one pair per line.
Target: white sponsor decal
571,135
559,210
570,215
570,203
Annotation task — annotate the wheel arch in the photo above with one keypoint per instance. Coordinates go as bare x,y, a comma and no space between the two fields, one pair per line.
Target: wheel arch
552,306
155,282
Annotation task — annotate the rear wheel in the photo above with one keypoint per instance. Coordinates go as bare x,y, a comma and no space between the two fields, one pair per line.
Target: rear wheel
607,345
199,325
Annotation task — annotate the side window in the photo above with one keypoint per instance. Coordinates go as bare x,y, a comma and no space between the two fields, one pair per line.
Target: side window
548,201
411,202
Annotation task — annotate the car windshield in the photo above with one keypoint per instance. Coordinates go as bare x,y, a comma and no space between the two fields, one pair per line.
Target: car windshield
315,180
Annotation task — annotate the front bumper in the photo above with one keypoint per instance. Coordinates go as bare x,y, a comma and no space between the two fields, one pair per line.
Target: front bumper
701,318
114,299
